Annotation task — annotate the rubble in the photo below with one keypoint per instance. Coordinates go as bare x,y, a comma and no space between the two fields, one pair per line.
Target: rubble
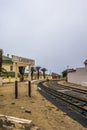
13,123
27,111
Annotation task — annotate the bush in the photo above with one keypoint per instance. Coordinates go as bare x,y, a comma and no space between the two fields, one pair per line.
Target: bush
9,74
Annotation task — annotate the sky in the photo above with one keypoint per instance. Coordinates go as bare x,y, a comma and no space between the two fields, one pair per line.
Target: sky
52,32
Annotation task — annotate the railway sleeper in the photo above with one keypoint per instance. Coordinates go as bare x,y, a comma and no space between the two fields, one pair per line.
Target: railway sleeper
82,104
82,112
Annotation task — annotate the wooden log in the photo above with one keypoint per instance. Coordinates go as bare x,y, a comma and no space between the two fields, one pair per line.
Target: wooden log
16,120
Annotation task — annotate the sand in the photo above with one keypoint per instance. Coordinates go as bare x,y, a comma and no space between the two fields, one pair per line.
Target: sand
43,113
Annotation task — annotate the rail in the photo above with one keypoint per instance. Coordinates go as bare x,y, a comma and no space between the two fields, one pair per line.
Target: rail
75,103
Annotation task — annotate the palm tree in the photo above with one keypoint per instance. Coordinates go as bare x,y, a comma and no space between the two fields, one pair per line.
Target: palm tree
64,73
22,70
44,70
32,72
38,68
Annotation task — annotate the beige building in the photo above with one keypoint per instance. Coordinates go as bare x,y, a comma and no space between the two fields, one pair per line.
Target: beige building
11,65
78,76
7,63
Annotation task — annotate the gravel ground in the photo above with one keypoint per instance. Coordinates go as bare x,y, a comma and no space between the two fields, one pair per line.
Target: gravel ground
43,113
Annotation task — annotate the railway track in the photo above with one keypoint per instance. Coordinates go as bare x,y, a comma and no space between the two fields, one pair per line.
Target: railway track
75,89
80,93
74,103
51,83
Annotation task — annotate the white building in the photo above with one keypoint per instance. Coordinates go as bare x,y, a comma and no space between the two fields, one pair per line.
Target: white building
78,76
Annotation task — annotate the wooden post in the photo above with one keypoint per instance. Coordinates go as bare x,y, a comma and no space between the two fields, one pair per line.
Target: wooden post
16,82
29,88
0,61
29,81
16,89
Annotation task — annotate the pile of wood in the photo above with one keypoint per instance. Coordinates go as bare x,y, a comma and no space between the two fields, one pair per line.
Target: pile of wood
13,123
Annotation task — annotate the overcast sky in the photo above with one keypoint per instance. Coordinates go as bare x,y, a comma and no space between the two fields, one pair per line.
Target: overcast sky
53,32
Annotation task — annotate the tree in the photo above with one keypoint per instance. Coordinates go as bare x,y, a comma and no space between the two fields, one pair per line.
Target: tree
44,70
32,72
21,70
2,70
38,68
64,73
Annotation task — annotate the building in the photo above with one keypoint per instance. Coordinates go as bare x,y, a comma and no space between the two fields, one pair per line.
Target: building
55,76
78,76
12,65
7,63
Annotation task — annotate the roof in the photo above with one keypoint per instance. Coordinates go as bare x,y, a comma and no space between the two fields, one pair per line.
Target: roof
6,60
85,62
54,74
71,70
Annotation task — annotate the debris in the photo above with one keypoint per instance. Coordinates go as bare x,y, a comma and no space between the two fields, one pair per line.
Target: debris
31,127
22,108
35,128
1,122
57,109
43,99
4,122
32,101
64,113
13,123
13,103
27,111
14,119
1,95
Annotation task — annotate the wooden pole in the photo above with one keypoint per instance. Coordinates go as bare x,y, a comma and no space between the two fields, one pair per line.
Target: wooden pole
29,88
16,82
16,89
29,81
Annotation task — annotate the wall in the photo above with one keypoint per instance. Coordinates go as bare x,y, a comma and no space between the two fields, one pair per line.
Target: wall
79,76
7,67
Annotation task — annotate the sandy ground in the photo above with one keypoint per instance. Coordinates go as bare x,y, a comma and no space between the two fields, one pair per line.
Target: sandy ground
72,85
42,112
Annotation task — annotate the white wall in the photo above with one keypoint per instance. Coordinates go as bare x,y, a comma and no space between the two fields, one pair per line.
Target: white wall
78,77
